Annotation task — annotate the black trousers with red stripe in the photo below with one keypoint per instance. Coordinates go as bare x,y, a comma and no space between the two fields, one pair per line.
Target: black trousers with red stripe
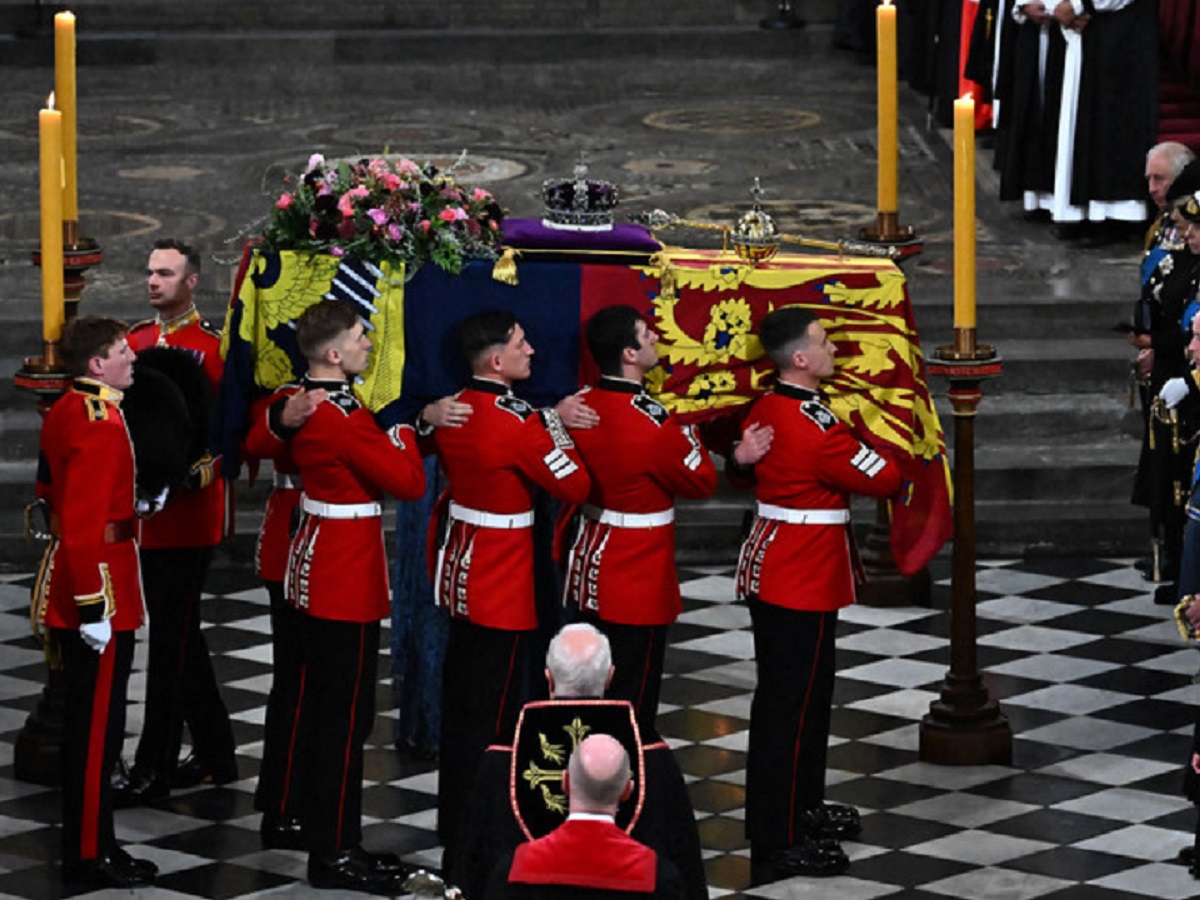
337,712
637,658
789,720
482,694
281,775
181,686
94,728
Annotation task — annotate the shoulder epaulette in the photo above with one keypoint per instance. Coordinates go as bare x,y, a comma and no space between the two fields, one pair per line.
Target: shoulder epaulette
515,405
819,413
344,401
97,409
651,408
208,326
144,323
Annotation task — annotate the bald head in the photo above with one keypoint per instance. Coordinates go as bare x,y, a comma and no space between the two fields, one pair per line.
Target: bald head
598,775
578,662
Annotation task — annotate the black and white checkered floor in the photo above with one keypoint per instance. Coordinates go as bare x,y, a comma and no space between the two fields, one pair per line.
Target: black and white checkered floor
1093,677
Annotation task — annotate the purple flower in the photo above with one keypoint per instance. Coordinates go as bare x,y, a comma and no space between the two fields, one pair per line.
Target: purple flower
377,215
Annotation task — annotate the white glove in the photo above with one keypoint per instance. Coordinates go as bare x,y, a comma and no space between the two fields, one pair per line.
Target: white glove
96,634
145,507
1174,390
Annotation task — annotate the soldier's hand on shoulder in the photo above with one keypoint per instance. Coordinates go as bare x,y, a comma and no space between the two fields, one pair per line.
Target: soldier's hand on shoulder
300,406
575,412
448,412
754,445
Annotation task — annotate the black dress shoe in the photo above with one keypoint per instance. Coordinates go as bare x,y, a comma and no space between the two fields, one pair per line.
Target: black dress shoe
144,866
107,872
1186,857
1166,594
195,771
1145,565
352,870
139,788
810,858
832,821
282,832
384,863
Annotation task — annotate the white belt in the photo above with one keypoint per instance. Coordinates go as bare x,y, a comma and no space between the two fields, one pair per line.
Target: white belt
803,516
288,482
507,521
340,510
629,520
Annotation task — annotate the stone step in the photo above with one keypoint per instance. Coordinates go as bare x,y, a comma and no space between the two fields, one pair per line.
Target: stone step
315,16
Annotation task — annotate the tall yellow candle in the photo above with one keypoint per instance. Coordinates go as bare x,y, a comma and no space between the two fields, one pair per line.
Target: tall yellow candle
64,93
964,212
888,103
50,148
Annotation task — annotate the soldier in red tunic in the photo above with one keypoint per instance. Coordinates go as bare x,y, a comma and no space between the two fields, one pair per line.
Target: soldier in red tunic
795,573
277,796
176,547
336,576
89,591
484,568
621,566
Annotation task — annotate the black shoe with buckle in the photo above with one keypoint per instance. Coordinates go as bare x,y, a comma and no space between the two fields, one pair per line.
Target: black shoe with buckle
352,870
282,832
195,771
832,821
140,787
810,858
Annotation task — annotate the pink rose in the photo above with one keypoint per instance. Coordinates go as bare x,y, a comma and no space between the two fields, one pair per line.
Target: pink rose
481,195
346,201
390,181
447,215
394,232
284,201
424,225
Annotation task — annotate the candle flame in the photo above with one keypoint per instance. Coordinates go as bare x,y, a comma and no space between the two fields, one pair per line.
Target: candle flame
887,2
50,101
967,96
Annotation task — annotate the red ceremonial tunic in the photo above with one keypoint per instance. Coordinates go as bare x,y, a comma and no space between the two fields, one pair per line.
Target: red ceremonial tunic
190,518
86,473
337,567
493,462
586,853
640,459
274,538
815,463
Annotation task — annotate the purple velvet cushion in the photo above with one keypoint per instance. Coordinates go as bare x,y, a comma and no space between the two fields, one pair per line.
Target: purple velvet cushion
531,234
